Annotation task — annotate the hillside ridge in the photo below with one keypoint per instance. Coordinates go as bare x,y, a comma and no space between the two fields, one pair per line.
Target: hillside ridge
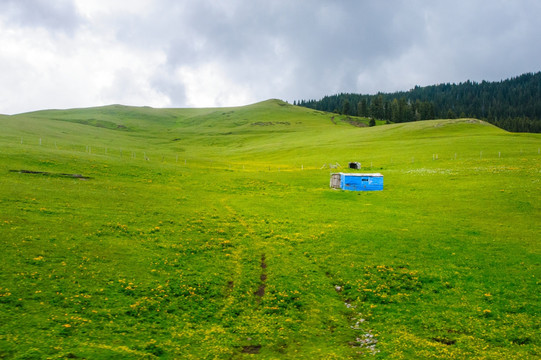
266,115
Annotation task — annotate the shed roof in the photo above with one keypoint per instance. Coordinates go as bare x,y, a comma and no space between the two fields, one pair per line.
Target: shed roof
364,175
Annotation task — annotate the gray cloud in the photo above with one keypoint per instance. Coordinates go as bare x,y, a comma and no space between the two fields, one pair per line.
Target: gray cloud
186,53
52,15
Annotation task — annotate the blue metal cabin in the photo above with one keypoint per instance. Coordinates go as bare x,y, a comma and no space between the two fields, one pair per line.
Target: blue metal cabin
357,182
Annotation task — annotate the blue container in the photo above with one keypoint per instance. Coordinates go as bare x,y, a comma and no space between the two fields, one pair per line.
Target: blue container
357,182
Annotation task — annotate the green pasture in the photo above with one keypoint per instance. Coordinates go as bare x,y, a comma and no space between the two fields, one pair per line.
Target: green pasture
213,234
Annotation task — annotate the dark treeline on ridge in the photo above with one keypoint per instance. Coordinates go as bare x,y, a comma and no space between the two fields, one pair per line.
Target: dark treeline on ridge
513,104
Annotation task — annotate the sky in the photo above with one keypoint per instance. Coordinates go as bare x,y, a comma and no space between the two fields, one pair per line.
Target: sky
206,53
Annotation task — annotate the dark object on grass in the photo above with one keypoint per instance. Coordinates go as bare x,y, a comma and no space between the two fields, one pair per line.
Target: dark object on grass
45,173
251,349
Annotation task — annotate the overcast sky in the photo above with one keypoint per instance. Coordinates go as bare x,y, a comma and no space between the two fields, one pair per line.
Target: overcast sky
194,53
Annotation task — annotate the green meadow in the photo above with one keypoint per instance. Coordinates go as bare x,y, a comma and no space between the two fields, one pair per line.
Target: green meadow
134,233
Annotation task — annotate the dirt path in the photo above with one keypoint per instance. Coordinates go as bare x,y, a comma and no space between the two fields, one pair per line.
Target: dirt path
240,257
261,290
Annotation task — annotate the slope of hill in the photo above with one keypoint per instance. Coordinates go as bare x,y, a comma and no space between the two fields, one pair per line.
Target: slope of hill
212,233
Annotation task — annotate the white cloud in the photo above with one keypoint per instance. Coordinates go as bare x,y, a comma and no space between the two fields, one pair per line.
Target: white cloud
92,9
214,53
46,70
208,85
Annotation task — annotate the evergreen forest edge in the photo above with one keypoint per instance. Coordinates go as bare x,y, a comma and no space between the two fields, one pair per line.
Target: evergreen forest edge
513,104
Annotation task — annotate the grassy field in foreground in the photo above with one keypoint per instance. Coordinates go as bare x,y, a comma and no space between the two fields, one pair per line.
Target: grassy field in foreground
212,233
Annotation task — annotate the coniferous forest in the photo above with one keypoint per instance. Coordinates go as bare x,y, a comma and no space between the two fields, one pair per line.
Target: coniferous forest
513,104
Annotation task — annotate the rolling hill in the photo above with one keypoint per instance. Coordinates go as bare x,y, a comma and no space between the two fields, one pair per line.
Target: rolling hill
133,232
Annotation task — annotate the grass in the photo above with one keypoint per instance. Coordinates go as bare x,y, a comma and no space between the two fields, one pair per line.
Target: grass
212,233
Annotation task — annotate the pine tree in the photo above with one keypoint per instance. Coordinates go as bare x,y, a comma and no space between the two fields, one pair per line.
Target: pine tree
376,107
346,108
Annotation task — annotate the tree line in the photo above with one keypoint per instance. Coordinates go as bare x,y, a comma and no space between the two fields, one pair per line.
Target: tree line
513,104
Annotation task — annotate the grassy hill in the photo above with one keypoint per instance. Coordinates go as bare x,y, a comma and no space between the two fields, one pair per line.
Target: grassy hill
212,233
